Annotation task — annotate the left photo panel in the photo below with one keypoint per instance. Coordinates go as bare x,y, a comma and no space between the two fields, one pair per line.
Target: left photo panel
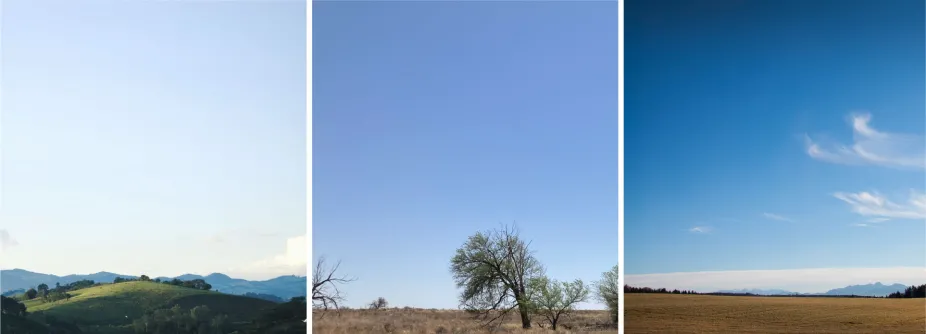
153,167
465,167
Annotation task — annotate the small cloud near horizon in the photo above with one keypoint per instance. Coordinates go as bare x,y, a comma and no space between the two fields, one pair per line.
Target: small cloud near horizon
872,147
292,261
773,216
6,241
814,280
873,204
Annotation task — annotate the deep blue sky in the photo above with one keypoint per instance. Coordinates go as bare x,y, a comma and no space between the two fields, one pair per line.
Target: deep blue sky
735,114
154,137
435,120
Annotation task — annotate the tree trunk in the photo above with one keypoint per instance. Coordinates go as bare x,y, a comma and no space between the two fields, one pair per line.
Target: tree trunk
554,323
525,317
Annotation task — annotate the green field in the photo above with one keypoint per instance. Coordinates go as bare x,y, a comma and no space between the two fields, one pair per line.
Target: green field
114,308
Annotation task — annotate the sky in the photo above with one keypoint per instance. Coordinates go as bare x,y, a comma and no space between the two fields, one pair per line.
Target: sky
784,136
435,120
151,137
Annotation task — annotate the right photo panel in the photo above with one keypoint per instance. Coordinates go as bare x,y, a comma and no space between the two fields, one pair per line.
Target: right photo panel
774,164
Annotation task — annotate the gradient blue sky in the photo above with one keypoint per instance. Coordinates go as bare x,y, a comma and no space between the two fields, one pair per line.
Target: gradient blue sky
155,137
435,120
775,135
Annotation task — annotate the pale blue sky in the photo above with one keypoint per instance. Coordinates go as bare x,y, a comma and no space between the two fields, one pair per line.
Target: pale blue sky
435,120
155,137
775,135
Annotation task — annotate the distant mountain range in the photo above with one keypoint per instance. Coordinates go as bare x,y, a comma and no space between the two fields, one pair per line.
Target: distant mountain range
873,290
764,292
284,287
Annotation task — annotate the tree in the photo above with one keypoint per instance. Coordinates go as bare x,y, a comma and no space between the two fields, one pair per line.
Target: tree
379,303
43,290
554,300
144,278
493,268
325,292
31,293
607,292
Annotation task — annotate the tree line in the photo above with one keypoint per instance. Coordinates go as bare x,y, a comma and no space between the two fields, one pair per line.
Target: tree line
911,292
630,289
199,284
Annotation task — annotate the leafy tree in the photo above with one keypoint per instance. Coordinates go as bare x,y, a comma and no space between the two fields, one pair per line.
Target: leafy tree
379,303
554,300
493,268
11,306
144,278
31,293
607,290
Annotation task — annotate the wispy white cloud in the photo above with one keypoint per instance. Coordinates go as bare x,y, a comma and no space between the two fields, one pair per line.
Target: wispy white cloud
861,225
777,217
797,280
878,220
699,229
873,204
872,147
6,241
292,261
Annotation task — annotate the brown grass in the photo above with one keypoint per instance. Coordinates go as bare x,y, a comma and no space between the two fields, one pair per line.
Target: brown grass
421,321
666,313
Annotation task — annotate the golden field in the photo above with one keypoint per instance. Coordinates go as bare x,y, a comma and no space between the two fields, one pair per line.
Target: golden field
667,313
423,321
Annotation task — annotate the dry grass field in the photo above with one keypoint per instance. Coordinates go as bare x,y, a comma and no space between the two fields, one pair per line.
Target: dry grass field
422,321
666,313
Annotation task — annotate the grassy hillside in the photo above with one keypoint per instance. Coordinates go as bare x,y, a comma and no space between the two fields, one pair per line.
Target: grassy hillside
673,313
114,307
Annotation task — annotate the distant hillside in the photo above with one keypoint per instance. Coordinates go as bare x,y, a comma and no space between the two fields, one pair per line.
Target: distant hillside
284,287
875,290
116,307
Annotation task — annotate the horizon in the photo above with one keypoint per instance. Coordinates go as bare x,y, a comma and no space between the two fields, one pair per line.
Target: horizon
807,280
151,276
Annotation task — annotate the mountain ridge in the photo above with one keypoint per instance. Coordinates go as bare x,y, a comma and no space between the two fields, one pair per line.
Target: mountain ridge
285,287
876,289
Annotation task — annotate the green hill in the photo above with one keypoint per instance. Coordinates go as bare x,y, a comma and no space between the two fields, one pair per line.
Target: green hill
114,308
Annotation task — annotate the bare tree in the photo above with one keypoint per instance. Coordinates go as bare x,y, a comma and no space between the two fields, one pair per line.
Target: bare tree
493,268
555,300
325,281
607,291
379,303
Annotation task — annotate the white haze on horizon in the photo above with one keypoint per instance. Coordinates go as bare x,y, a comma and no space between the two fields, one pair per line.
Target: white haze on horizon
815,280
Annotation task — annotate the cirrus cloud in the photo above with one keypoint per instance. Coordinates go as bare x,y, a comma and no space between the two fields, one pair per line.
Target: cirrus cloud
872,147
873,204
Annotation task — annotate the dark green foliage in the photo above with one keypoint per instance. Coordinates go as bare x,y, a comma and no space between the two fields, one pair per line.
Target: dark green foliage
288,317
31,294
264,296
12,306
910,292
